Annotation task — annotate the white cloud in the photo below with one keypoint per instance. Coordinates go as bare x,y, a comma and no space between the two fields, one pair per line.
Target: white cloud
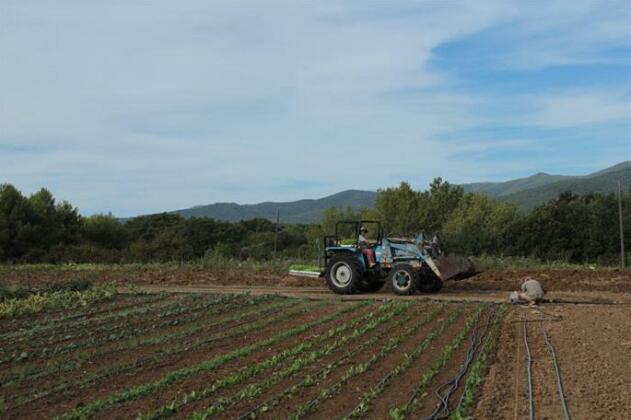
560,33
579,108
144,106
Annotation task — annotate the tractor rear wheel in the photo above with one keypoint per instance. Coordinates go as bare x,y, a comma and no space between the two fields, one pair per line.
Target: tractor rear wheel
403,279
429,283
343,274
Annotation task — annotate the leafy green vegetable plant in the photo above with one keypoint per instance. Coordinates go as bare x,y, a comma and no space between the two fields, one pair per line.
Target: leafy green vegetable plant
55,300
141,390
403,411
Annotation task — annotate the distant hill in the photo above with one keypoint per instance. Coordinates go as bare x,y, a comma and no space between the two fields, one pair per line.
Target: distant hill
302,211
499,189
527,193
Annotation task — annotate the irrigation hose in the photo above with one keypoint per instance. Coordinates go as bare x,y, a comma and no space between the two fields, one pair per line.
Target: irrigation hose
531,404
445,391
252,411
549,318
585,302
486,339
557,371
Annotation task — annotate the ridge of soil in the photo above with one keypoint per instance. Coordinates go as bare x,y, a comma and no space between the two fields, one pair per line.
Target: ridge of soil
335,408
506,279
313,368
64,402
593,348
154,401
592,340
287,406
136,355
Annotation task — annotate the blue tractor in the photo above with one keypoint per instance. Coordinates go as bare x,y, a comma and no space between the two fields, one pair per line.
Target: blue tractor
408,265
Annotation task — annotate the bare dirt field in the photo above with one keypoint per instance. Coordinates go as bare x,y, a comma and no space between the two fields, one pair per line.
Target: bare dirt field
559,280
593,348
219,355
269,346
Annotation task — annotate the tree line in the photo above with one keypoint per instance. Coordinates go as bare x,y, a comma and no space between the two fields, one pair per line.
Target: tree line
573,228
37,229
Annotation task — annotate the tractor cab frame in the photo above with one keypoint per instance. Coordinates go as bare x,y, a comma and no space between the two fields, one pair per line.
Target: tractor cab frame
334,244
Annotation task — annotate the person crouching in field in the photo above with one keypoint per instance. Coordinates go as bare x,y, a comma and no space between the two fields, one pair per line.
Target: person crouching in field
531,292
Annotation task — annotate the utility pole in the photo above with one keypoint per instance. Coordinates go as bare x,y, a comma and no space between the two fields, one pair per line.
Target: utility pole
276,232
622,256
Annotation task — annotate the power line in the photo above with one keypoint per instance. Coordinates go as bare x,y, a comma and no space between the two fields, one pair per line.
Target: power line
276,232
622,256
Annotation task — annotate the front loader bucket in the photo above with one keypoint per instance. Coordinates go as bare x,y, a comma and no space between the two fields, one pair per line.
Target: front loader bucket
455,267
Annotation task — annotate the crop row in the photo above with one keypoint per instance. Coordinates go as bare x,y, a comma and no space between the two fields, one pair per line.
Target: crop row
315,378
210,365
369,396
61,364
476,377
171,315
55,300
413,402
360,368
304,359
283,312
108,322
130,337
18,327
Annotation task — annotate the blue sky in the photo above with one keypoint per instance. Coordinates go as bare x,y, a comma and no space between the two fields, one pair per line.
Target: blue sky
143,106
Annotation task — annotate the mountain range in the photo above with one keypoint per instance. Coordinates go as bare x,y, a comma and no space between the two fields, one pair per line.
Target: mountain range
525,193
530,192
301,211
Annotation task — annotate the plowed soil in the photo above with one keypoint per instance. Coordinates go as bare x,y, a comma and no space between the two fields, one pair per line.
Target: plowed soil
593,348
561,280
592,341
57,403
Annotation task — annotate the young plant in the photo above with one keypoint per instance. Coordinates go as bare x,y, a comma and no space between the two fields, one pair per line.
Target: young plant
402,412
55,300
476,377
169,379
356,370
298,364
364,405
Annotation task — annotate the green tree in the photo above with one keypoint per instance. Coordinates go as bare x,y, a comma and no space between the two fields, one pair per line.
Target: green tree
31,227
148,227
408,212
333,215
13,213
104,231
400,209
202,234
480,225
165,245
438,203
559,230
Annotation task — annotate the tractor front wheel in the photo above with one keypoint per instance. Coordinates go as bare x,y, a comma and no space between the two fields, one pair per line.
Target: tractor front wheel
343,274
403,279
